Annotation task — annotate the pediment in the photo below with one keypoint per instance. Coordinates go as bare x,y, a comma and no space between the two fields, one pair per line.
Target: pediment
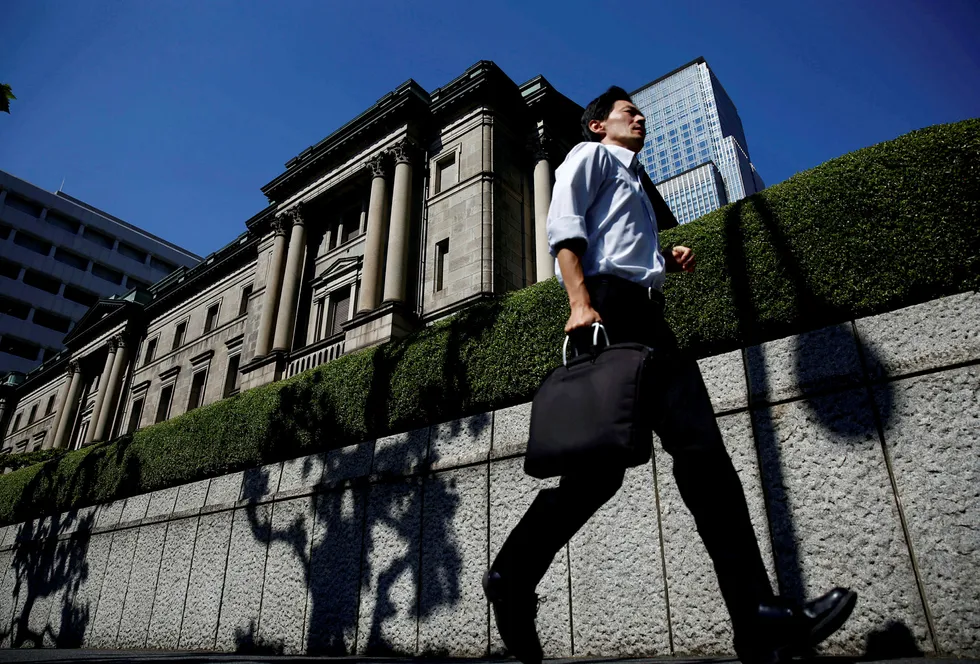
338,268
99,311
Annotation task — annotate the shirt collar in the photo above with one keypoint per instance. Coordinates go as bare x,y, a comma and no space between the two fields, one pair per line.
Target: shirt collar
625,156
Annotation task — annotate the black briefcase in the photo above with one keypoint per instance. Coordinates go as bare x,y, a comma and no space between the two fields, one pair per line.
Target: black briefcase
588,413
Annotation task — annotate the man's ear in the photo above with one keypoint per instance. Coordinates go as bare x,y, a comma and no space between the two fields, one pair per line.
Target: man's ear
597,127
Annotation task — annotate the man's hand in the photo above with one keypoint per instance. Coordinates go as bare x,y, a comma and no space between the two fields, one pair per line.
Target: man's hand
680,259
583,315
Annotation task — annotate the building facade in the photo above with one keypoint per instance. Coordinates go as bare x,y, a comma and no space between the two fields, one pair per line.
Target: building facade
421,205
692,122
58,257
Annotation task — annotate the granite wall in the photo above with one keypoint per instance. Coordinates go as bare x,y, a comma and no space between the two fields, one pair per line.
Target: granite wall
858,447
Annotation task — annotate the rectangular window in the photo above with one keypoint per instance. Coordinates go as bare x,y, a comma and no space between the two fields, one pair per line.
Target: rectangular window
80,295
31,243
16,424
197,390
135,415
71,258
211,321
132,252
50,407
339,308
163,408
9,269
246,296
233,378
23,205
179,335
162,265
52,321
446,172
64,223
32,416
442,250
42,281
98,237
107,273
151,350
318,321
14,308
19,347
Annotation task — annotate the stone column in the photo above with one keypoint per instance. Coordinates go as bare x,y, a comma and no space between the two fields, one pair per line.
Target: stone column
377,230
67,417
544,263
396,267
291,280
108,413
60,413
270,300
100,395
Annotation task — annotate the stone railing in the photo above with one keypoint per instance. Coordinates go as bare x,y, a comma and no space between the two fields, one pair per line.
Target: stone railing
858,447
314,358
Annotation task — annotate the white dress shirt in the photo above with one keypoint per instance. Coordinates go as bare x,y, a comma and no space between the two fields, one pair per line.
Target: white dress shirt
599,198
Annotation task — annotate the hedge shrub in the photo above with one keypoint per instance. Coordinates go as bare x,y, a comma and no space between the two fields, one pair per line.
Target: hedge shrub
881,228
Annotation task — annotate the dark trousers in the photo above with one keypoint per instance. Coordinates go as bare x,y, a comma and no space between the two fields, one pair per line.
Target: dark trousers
685,423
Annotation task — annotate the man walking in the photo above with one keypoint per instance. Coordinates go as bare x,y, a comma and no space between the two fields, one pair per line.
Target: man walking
603,232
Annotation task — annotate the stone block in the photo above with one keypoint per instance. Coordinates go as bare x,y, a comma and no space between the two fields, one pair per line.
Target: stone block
81,520
619,604
108,515
241,598
303,473
347,463
460,442
930,425
922,337
109,613
191,497
8,598
452,610
827,482
335,567
387,621
259,483
511,492
200,623
142,586
724,376
510,431
135,509
699,620
171,589
66,623
224,490
284,596
85,597
802,364
162,502
402,453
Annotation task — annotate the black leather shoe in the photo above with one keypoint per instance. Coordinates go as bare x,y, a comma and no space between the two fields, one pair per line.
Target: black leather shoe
515,613
782,630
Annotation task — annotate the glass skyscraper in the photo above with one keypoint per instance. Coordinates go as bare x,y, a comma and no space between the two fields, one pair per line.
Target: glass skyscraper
695,149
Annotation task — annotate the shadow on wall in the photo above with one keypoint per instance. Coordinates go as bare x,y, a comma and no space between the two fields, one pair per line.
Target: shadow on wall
831,359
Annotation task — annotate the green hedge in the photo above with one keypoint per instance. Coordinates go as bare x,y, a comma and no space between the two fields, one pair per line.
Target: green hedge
875,230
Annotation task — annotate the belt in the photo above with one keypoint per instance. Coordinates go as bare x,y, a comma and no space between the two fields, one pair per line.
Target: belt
627,287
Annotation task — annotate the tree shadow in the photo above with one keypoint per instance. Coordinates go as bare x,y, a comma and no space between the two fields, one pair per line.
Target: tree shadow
829,357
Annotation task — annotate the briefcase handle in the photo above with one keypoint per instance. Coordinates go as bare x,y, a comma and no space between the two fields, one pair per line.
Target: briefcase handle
595,341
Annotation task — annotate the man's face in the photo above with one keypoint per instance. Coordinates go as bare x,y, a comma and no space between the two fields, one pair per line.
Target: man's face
625,126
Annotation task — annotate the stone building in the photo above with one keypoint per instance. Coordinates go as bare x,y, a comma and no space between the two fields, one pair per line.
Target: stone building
423,204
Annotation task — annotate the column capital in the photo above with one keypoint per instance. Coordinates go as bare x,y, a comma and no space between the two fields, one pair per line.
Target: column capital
291,217
119,341
541,145
403,151
74,367
378,166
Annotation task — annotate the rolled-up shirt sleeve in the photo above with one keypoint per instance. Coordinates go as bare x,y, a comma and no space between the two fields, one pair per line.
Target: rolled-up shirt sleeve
577,182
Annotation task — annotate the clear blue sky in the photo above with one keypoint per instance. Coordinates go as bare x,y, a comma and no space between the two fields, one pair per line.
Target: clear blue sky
172,115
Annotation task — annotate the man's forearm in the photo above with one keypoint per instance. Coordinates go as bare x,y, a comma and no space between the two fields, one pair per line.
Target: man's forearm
572,274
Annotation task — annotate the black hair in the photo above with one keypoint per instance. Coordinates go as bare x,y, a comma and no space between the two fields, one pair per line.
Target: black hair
600,108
